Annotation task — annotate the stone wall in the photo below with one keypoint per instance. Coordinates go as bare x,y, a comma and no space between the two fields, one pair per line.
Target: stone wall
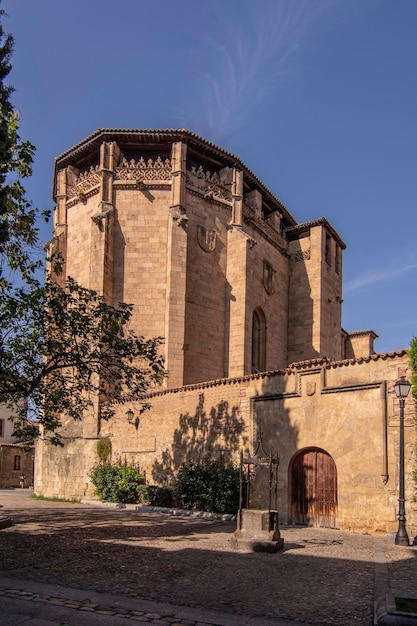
346,408
215,264
13,463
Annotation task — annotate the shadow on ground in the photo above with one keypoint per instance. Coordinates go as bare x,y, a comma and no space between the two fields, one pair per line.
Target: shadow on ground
189,562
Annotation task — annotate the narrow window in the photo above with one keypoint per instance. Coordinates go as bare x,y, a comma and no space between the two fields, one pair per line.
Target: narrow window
327,250
16,462
338,260
258,341
1,428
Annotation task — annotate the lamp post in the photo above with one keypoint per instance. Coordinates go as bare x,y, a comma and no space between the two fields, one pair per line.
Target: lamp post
401,388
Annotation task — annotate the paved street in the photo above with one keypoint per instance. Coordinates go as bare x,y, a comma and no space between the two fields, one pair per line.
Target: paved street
63,563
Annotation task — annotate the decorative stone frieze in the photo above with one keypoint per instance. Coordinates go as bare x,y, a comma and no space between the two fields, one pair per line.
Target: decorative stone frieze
85,182
150,170
207,183
301,255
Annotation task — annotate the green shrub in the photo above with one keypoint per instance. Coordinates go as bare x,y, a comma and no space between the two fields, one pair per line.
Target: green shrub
156,496
103,448
160,496
117,482
143,494
208,486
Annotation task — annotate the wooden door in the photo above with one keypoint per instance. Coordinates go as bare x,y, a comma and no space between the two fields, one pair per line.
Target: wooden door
314,489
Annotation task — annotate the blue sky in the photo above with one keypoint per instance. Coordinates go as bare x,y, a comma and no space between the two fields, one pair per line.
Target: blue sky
317,97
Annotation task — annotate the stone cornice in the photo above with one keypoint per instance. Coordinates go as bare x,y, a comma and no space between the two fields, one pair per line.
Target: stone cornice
321,221
134,138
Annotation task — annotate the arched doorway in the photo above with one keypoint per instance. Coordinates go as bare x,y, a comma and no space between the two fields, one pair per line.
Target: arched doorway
313,484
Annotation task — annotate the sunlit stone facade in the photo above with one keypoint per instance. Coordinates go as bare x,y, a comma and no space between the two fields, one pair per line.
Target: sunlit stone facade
249,304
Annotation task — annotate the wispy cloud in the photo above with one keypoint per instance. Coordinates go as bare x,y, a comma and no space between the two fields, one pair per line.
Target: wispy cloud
246,60
396,269
407,323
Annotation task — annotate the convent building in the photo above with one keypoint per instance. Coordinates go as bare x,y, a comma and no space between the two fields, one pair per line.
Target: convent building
249,304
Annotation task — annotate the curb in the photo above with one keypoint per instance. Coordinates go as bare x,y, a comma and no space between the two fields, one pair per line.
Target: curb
385,612
144,508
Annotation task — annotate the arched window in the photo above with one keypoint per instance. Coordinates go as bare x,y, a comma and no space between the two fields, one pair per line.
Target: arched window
258,341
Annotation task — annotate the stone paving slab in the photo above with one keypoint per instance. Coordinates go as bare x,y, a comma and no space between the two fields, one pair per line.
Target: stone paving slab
78,608
322,577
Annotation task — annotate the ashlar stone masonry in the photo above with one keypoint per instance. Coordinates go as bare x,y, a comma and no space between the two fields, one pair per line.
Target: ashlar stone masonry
249,304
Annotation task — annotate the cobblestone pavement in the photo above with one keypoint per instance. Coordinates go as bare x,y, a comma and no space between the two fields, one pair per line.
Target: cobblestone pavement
158,568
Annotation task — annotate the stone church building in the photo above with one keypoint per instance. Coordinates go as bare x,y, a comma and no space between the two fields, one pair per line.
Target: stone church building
249,304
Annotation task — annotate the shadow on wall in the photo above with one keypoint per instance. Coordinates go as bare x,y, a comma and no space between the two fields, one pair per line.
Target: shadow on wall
307,478
218,432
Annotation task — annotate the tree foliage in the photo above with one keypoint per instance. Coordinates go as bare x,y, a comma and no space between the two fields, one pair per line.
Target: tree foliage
18,232
63,348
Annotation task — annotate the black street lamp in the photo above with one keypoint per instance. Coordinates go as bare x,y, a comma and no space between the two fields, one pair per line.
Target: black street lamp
401,388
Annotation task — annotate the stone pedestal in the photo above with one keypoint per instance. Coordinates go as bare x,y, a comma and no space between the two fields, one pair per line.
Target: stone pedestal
257,531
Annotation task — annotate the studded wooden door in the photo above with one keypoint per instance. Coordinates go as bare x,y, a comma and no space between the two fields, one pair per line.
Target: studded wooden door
314,489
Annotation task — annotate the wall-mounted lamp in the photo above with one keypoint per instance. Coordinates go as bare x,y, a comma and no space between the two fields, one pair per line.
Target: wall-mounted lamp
129,415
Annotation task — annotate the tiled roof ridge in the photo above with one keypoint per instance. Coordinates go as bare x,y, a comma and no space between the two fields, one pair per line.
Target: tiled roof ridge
352,361
366,359
359,333
288,370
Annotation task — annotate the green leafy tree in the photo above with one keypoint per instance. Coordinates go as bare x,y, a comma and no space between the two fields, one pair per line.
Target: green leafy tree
18,232
62,347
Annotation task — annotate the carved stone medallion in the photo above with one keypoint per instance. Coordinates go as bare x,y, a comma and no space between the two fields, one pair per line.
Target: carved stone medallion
310,388
206,238
268,275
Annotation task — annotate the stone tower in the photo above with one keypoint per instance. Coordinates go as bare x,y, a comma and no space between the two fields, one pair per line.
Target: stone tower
211,260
